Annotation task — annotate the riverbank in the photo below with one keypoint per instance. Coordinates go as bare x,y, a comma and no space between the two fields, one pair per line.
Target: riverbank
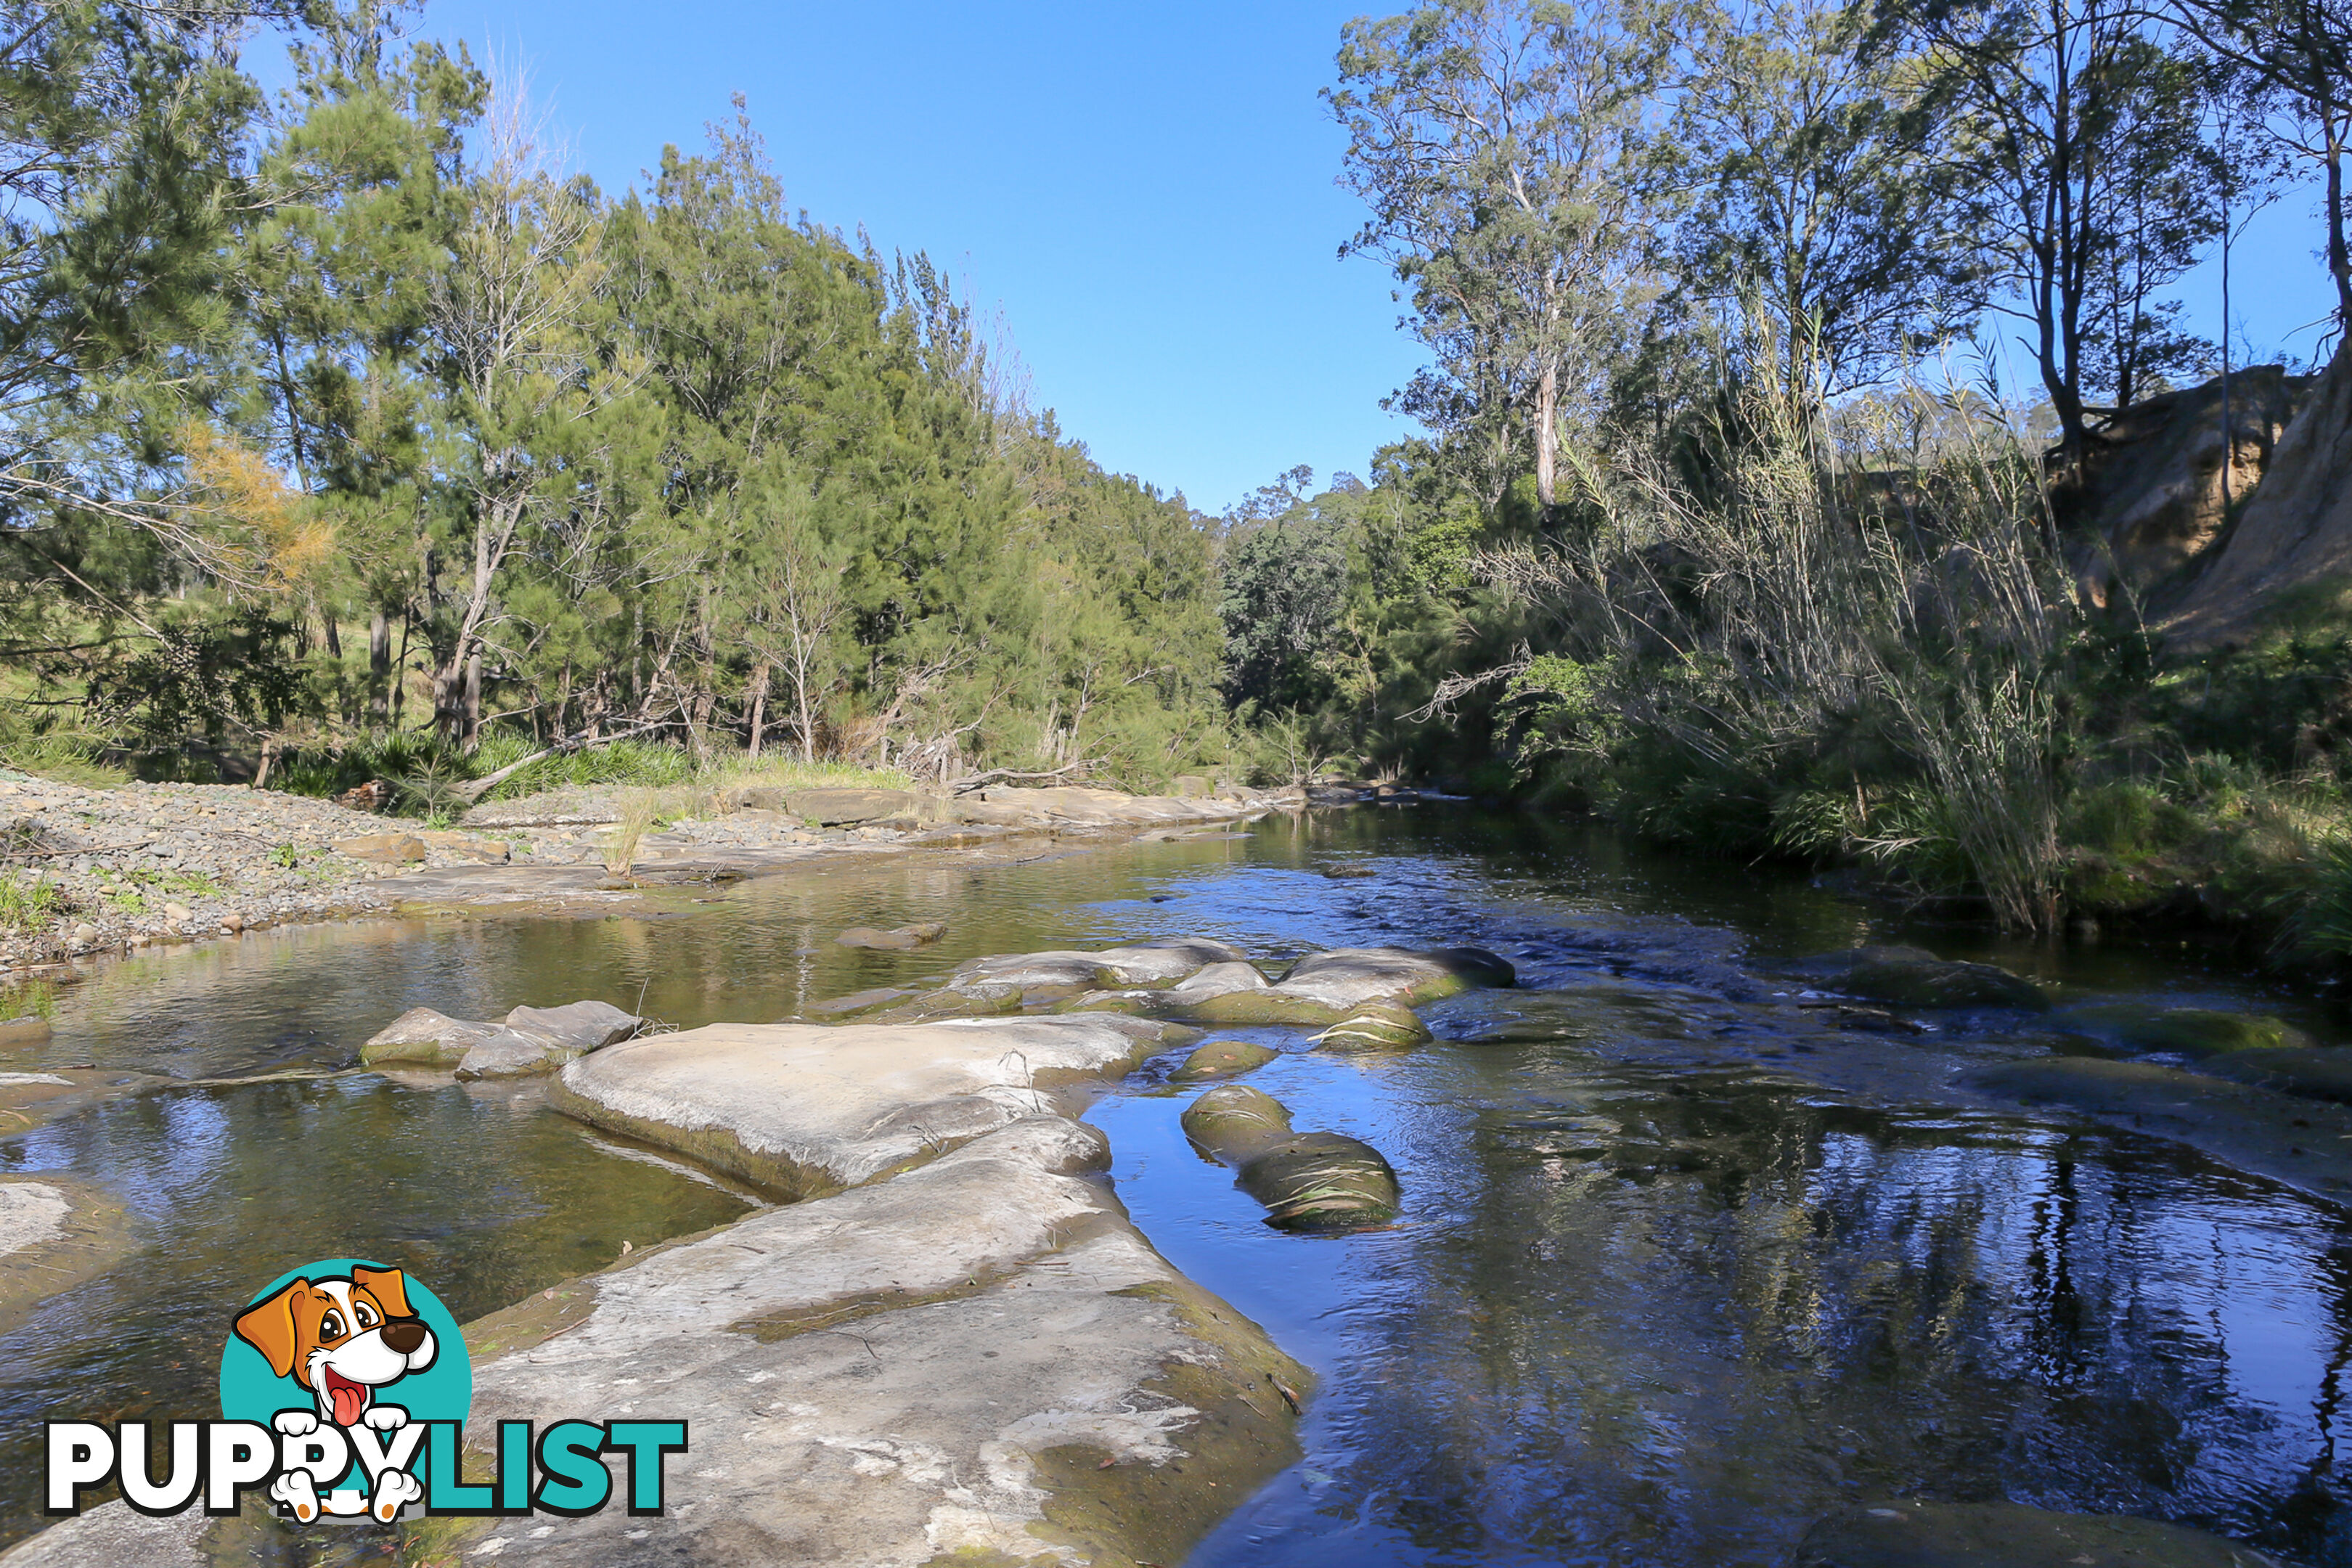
93,871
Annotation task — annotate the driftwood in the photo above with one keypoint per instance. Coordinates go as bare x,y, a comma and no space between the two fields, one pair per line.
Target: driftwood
1007,775
475,789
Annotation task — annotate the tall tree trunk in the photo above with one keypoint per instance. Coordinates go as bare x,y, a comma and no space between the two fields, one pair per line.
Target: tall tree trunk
379,666
2339,260
473,730
1548,439
759,706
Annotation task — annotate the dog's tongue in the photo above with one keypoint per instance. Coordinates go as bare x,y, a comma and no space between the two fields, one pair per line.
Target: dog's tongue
351,1398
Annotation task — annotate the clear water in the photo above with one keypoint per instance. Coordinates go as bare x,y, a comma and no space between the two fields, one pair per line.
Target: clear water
1675,1276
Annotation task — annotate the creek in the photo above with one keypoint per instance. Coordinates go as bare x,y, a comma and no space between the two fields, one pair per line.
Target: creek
1678,1272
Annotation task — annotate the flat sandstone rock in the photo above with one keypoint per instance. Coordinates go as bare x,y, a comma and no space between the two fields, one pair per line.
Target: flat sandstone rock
979,1360
807,1108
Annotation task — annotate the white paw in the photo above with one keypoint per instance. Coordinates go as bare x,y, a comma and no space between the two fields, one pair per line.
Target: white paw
295,1423
385,1417
394,1489
294,1490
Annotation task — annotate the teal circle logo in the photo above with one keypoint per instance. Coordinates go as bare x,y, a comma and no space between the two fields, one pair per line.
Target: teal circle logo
340,1349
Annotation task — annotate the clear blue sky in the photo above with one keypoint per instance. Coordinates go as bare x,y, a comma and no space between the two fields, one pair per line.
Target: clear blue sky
1147,191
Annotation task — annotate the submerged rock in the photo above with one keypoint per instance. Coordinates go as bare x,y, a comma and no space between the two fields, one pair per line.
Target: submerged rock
1156,964
1307,1181
55,1232
808,1109
427,1039
1908,977
2312,1072
923,933
1222,1058
2301,1142
1907,1533
1375,1027
2178,1031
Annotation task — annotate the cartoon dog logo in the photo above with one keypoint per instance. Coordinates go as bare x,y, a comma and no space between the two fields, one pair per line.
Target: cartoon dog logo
343,1339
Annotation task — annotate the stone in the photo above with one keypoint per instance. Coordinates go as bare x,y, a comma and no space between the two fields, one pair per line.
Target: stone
30,1030
383,848
858,1002
1216,980
1155,965
56,1231
1323,988
1191,786
1374,1026
1221,1059
232,922
85,934
844,807
979,1361
423,1035
509,1053
964,1000
1307,1181
178,914
1908,1533
469,847
2192,1032
1906,977
112,1536
2302,1142
576,1027
2312,1072
1234,1124
807,1108
899,937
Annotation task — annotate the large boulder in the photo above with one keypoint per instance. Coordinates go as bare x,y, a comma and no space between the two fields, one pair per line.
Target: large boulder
1216,980
1222,1058
808,1109
2194,1032
1907,977
1153,964
575,1028
425,1037
1307,1181
509,1053
1374,1026
1908,1533
2312,1072
1324,987
978,1361
384,848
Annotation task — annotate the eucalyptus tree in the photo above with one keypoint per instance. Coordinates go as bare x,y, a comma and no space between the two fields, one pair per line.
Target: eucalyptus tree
1831,191
1501,147
2088,119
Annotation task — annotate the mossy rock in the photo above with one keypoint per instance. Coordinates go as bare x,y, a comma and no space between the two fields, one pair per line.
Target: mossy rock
2194,1032
1478,965
1322,1182
1234,1122
1908,1533
1128,1002
1269,1006
1375,1027
1222,1058
2311,1072
1936,982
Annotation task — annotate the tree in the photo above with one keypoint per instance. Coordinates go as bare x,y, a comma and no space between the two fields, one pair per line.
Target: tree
1828,191
2091,132
1500,146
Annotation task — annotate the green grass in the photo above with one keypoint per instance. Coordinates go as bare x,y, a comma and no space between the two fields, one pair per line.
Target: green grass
30,904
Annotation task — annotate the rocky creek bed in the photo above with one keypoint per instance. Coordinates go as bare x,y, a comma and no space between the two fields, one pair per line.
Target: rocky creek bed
1862,1255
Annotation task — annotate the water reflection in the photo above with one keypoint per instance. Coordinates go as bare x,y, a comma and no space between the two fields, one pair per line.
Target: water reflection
1659,1297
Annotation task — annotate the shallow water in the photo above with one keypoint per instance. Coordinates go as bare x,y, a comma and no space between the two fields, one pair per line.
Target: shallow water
1678,1273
